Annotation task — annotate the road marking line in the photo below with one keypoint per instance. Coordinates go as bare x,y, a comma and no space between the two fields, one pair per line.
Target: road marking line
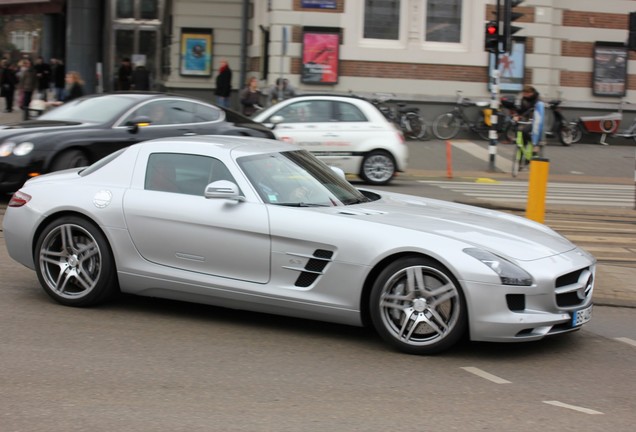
572,407
486,375
628,341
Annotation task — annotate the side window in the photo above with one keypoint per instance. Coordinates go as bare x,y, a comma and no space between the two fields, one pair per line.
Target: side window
349,113
165,112
184,173
315,111
204,113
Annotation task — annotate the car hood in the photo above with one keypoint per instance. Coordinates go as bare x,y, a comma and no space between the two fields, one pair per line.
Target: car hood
36,126
499,232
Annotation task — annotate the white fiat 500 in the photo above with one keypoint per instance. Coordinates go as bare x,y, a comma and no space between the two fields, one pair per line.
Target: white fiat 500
346,132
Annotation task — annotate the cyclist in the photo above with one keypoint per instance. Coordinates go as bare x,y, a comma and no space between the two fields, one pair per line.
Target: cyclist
533,110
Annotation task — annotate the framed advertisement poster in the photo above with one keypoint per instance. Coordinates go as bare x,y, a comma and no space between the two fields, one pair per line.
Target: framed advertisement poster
196,52
511,67
321,56
609,77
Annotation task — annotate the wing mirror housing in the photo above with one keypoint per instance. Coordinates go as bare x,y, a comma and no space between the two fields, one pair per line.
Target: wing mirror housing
339,172
276,120
138,122
223,189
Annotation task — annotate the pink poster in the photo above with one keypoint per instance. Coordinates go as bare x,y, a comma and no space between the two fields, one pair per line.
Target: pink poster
320,58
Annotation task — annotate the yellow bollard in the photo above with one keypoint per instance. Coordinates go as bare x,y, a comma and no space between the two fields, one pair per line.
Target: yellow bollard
537,189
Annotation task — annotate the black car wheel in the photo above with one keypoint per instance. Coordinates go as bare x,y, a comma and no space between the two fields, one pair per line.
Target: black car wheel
417,306
70,159
74,262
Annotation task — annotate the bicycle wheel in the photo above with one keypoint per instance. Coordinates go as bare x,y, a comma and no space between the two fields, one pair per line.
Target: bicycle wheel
416,125
518,160
446,126
569,133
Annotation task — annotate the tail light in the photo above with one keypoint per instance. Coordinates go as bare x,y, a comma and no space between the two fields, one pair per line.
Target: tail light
19,199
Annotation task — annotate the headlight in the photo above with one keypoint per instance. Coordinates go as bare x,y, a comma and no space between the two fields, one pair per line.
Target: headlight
509,273
22,149
6,149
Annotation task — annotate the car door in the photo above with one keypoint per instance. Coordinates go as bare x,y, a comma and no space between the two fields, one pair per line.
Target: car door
169,117
309,124
172,224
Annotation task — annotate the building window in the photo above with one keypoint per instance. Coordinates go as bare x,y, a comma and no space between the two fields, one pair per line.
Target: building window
382,19
443,21
139,9
23,40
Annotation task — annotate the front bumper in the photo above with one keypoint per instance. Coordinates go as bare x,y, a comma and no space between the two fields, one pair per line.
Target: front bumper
563,287
14,172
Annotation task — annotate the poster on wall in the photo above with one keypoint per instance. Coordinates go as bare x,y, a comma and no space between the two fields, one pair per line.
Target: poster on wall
320,56
511,68
610,69
196,52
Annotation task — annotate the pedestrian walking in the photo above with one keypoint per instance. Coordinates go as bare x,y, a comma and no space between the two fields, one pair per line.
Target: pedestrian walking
223,85
8,81
43,74
140,79
58,78
280,91
124,75
251,97
27,84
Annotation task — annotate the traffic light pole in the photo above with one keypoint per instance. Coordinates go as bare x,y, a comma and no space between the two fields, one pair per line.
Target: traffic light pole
494,106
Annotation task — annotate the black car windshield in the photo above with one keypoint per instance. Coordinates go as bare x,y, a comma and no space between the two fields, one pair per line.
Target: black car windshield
299,179
95,110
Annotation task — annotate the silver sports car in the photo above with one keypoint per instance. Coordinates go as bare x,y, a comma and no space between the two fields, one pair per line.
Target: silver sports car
260,225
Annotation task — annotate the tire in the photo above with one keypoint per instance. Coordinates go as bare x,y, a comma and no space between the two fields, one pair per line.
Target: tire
418,307
518,161
74,263
417,128
69,159
378,168
446,126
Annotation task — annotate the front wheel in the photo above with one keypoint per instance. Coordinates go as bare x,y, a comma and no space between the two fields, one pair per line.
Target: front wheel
70,159
416,127
417,306
446,126
518,161
378,168
74,263
569,133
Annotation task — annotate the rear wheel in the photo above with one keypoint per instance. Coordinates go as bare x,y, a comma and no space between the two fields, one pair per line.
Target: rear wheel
417,306
446,126
74,263
518,161
378,168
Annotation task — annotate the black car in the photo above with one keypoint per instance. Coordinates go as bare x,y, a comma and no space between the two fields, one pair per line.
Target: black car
87,129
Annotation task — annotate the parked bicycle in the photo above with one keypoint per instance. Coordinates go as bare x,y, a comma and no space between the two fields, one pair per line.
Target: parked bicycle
447,126
407,118
525,151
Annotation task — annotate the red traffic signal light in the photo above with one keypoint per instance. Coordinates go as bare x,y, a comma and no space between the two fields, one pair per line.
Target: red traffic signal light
491,42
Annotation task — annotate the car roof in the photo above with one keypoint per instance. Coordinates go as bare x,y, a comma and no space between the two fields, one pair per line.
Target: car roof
199,143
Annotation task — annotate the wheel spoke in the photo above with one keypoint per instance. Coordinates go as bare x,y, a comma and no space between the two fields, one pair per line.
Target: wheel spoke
52,257
437,322
440,295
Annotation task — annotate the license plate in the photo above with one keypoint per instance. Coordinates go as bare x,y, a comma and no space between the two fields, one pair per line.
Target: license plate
582,316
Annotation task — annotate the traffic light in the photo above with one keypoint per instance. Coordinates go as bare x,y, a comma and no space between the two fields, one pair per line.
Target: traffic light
491,42
509,16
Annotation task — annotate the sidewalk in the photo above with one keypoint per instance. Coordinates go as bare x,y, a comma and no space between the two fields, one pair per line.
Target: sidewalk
615,285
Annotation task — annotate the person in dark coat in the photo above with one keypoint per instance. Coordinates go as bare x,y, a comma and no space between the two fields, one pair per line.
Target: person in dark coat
75,86
124,75
8,81
27,84
223,85
140,79
43,73
250,97
58,78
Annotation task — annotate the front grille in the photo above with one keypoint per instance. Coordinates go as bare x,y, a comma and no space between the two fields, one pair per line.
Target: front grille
573,289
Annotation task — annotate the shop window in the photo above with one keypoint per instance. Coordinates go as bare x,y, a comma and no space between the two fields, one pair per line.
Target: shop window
139,9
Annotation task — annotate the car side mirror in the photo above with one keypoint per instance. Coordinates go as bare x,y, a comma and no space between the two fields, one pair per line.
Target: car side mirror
276,120
339,172
138,122
223,189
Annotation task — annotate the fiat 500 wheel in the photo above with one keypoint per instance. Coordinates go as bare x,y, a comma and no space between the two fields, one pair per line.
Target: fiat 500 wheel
417,306
378,168
74,263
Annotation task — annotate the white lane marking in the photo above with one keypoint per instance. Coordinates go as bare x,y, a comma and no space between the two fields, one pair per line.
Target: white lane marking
628,341
572,407
486,375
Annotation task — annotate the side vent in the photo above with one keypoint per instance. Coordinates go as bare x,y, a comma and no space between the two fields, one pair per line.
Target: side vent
314,267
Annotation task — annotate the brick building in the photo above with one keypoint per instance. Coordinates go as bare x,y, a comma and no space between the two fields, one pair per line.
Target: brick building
420,50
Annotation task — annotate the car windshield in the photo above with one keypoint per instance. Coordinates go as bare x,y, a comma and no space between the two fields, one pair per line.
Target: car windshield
94,110
299,179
